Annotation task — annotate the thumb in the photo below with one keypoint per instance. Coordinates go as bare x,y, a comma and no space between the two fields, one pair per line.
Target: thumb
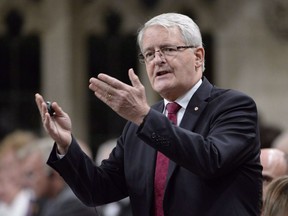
134,78
58,110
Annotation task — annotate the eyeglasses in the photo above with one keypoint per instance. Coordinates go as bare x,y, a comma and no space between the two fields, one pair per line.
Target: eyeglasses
171,51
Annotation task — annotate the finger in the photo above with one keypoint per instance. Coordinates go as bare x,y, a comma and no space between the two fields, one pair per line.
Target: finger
43,111
97,85
102,96
42,106
47,121
49,126
134,78
58,110
111,81
39,100
101,89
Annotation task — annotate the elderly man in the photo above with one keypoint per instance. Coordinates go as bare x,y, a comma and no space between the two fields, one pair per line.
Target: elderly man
195,152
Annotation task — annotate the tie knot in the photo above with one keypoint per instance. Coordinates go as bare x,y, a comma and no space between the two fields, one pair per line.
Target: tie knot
173,108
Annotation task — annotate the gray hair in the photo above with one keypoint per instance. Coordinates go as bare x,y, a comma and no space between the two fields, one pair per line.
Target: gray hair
42,146
189,29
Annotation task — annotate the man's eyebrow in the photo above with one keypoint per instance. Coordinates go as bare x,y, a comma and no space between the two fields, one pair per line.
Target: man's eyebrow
160,46
147,49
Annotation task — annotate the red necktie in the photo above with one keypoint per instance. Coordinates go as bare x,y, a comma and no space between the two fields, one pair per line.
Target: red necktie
162,163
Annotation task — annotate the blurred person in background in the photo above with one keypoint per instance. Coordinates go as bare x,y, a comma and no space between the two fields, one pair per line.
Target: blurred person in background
14,198
52,196
275,165
276,200
281,142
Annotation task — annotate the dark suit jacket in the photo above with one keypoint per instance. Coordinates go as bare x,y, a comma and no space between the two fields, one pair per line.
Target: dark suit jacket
214,168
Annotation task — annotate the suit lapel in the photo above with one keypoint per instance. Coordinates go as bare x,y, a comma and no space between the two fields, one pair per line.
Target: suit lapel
193,111
195,107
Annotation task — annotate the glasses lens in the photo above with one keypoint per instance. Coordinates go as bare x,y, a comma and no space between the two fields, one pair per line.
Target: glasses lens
169,51
141,58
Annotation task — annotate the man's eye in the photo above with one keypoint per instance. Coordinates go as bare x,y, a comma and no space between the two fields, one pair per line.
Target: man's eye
168,49
148,54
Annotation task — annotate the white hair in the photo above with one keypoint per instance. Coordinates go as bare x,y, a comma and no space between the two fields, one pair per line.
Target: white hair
188,28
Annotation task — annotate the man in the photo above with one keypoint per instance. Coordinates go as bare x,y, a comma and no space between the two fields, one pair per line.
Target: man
213,147
275,165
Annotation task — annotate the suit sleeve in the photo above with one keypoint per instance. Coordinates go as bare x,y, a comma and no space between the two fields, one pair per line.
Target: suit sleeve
91,184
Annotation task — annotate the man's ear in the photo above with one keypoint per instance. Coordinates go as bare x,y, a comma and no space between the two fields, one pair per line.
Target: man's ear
200,56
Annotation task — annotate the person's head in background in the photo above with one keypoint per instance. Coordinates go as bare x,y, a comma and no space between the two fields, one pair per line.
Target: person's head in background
11,180
276,200
281,142
275,165
45,182
37,175
171,48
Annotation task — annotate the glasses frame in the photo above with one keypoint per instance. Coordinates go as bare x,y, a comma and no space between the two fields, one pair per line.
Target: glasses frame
142,58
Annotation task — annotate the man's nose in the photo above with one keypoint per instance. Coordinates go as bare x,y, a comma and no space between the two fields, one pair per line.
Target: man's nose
159,56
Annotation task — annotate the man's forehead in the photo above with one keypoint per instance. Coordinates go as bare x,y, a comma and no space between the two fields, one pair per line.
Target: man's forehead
157,35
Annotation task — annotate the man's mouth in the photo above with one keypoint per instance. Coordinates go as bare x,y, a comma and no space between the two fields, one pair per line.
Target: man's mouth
160,73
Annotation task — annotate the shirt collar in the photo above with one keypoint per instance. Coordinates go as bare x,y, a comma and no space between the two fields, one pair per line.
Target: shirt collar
184,100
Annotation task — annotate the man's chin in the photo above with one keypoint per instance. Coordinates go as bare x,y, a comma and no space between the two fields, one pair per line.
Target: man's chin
165,92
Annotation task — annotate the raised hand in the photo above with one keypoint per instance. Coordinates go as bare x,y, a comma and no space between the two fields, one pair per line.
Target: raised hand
58,126
128,101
